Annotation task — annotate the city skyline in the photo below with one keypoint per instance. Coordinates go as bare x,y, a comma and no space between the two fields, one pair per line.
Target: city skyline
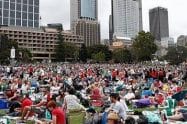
177,22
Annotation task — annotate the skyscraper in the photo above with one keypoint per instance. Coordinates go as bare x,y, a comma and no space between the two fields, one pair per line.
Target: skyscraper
19,13
84,15
83,9
158,21
110,29
126,17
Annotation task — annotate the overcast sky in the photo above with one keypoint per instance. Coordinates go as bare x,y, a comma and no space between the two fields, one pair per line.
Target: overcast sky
57,11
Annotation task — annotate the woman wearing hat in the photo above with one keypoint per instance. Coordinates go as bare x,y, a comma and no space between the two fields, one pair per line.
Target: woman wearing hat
113,118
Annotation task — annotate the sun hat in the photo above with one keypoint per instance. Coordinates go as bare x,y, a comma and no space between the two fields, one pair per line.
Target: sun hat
113,116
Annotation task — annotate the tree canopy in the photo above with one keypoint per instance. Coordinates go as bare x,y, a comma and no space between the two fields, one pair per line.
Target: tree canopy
65,50
122,56
100,48
143,46
83,53
176,55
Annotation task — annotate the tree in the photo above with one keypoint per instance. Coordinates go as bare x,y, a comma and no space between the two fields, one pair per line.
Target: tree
98,57
83,53
59,49
143,46
65,50
100,48
24,55
122,56
176,55
5,47
70,50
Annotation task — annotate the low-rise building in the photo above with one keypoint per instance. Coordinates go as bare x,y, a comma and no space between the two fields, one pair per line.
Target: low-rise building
40,41
167,42
182,40
122,41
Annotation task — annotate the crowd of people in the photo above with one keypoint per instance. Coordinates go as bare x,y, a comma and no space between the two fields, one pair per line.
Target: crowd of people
51,92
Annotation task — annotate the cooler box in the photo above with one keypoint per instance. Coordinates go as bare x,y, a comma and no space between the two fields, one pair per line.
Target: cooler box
3,104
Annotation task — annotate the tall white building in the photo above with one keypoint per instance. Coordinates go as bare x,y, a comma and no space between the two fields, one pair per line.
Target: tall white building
127,17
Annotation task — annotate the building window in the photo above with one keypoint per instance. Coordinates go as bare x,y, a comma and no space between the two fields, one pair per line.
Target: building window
6,5
24,23
0,19
0,4
36,2
12,21
30,8
12,14
24,8
18,15
18,1
18,22
12,6
18,7
30,16
36,24
25,1
24,15
30,23
36,16
30,2
5,13
5,21
36,9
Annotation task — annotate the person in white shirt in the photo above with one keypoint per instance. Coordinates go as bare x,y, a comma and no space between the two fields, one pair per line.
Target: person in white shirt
71,102
55,88
117,106
25,87
130,95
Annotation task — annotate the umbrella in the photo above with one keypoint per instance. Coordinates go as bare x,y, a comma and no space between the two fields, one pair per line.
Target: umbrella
180,95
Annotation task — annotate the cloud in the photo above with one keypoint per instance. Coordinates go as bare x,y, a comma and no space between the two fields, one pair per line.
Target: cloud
55,11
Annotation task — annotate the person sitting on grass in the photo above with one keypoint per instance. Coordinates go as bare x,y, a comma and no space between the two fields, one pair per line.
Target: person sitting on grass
71,102
25,102
58,115
38,107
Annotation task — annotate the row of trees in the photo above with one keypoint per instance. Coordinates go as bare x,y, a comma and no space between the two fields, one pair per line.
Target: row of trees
142,49
176,55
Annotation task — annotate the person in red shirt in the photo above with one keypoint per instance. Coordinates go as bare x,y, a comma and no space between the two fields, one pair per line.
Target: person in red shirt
37,107
58,115
26,102
96,92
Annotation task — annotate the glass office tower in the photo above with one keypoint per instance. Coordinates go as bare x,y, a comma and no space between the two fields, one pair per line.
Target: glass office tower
19,13
88,9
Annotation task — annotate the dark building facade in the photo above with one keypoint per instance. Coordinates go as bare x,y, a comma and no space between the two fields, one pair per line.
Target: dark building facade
19,13
111,31
158,21
89,30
